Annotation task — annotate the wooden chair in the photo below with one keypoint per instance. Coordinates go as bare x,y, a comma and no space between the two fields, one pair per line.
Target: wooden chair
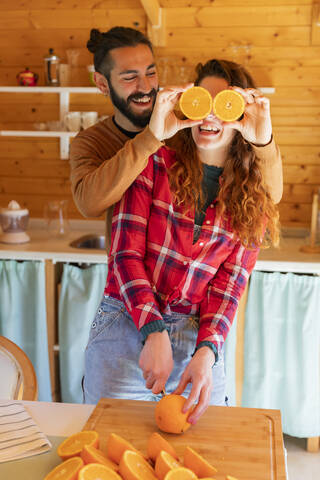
18,378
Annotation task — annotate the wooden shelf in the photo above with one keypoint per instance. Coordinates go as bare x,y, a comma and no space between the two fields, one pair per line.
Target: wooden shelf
64,101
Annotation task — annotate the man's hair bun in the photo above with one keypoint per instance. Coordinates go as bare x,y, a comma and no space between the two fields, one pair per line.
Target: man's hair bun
96,38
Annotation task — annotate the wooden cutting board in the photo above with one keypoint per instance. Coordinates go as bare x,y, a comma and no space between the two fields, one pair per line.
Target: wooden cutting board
243,442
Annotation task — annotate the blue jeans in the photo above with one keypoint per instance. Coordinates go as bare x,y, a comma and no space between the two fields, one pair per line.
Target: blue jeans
112,356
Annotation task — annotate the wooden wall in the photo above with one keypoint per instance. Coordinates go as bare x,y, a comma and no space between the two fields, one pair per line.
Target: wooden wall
278,41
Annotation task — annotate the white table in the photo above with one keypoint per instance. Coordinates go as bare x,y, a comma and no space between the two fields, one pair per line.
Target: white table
57,421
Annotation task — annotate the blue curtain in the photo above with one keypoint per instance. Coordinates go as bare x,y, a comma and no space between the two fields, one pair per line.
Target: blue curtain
80,296
23,317
282,349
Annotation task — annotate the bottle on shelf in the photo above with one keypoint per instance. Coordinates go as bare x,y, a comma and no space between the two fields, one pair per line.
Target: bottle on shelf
52,62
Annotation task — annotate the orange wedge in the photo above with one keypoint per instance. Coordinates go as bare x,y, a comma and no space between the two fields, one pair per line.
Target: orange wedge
228,105
134,467
197,463
169,416
96,471
67,470
73,445
228,477
156,443
91,454
196,103
164,463
116,446
180,473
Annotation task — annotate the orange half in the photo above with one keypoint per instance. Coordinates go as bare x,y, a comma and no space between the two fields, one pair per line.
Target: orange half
180,473
67,470
96,471
73,445
133,467
228,105
164,463
156,443
196,103
91,454
199,465
117,445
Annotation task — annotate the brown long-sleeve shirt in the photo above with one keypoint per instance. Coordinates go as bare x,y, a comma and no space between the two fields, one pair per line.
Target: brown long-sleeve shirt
105,162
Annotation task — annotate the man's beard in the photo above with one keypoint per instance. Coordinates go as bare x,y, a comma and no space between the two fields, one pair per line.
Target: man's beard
139,120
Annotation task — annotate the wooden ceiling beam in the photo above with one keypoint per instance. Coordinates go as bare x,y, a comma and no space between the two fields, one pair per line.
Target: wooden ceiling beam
156,22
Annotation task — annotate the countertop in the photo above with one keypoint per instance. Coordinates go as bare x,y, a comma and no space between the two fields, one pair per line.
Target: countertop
42,246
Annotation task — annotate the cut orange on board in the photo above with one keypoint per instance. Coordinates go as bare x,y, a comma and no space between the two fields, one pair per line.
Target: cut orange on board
91,454
196,103
164,463
228,105
67,470
73,445
169,416
96,471
134,467
180,473
116,446
197,463
156,443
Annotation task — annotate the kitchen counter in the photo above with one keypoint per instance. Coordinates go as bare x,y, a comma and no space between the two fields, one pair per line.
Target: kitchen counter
42,246
287,258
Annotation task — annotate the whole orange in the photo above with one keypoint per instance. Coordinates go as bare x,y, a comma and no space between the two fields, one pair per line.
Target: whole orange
169,416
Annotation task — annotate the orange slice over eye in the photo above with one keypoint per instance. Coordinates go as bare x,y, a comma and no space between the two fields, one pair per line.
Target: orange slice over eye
196,103
228,105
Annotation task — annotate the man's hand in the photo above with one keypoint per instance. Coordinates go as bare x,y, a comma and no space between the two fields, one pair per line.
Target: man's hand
163,122
255,126
199,373
156,361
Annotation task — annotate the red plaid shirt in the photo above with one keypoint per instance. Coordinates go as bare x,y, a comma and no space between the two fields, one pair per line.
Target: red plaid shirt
154,267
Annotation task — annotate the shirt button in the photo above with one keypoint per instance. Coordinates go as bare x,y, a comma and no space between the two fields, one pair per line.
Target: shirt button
208,222
185,262
211,206
201,244
94,325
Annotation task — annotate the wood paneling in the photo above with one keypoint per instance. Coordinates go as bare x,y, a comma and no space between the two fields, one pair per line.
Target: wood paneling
252,16
277,40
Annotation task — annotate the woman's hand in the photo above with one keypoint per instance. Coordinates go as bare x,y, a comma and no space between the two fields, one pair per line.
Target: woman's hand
255,126
163,122
199,373
156,361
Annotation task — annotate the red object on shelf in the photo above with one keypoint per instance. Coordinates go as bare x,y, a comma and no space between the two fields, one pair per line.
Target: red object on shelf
27,78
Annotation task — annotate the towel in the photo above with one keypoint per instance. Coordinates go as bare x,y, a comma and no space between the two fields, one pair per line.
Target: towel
20,436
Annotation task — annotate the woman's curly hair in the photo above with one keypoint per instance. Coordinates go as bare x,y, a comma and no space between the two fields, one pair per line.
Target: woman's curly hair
243,194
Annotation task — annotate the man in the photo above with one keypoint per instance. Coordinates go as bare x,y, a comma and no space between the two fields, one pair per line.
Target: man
106,159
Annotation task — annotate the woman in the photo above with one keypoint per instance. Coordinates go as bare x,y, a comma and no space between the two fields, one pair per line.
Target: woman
185,239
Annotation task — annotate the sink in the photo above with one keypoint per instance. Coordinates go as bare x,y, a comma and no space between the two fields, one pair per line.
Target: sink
97,242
